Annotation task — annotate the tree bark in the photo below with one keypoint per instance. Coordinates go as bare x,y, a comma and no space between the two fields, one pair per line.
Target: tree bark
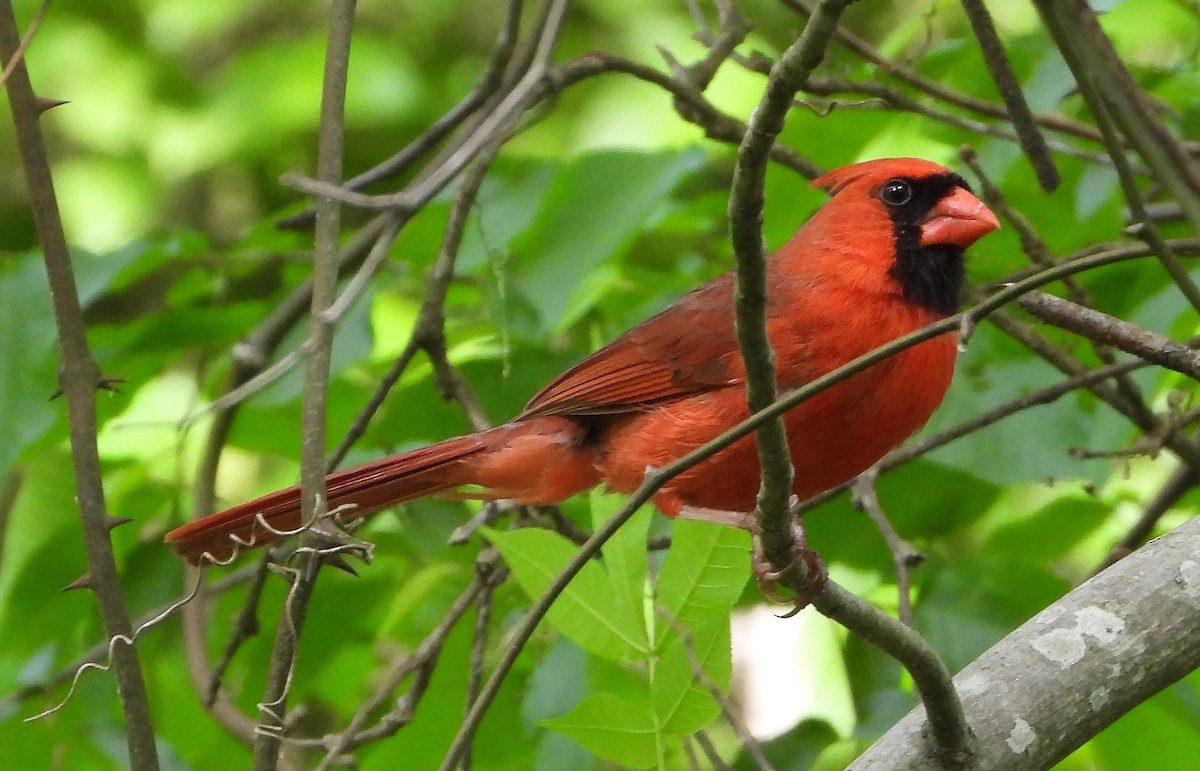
1074,668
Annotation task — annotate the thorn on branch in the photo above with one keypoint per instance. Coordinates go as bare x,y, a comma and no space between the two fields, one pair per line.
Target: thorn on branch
83,582
105,383
112,523
44,105
338,561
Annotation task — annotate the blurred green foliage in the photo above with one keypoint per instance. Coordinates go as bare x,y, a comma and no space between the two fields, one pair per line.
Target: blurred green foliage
182,116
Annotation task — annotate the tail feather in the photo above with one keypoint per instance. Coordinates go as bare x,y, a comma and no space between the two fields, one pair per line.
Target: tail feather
542,459
367,489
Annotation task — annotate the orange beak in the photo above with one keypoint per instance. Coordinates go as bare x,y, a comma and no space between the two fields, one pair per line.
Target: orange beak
960,219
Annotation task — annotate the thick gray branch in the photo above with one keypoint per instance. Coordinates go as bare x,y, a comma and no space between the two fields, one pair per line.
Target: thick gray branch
1074,668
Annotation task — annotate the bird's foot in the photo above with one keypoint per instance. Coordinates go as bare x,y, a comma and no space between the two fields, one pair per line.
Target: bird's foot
806,566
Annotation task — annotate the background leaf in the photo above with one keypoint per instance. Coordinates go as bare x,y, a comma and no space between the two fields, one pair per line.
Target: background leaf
586,612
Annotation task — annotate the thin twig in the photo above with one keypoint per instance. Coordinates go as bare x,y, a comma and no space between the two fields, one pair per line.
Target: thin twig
420,659
1034,247
244,627
195,645
1182,479
942,92
452,119
429,329
1107,85
486,565
251,355
710,752
1031,140
904,556
10,488
498,123
1038,398
689,102
520,635
1100,73
1110,330
312,443
1137,413
895,99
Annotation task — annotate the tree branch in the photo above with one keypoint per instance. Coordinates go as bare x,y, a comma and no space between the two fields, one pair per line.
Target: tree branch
79,377
1103,328
745,229
1031,140
1107,84
1075,667
312,443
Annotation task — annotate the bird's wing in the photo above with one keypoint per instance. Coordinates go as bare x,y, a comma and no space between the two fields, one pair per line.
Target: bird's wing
689,347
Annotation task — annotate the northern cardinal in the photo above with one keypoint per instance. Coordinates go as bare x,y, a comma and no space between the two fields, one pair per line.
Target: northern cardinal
882,258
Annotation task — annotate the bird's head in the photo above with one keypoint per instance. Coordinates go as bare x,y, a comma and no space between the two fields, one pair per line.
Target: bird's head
909,216
915,195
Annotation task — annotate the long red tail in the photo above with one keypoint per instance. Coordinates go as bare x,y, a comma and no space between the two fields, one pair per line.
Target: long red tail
542,460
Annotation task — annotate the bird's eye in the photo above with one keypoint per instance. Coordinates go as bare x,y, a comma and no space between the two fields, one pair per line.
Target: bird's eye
896,192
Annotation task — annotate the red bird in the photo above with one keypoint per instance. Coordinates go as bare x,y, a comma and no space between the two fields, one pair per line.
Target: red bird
882,258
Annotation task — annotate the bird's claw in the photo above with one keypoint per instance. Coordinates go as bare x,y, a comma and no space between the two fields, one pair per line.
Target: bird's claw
816,575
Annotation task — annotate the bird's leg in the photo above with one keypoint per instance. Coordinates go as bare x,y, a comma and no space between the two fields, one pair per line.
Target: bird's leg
764,571
816,575
739,519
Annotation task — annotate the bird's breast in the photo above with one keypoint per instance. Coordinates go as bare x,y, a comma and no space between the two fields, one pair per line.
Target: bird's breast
833,436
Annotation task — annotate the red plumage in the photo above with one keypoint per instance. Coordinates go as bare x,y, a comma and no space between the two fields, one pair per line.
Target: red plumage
870,266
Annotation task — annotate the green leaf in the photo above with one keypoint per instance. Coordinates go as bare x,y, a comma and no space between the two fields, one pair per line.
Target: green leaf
1051,529
407,599
594,208
995,370
42,553
625,553
796,750
27,354
968,604
682,701
704,572
557,684
613,729
509,202
1153,736
585,612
